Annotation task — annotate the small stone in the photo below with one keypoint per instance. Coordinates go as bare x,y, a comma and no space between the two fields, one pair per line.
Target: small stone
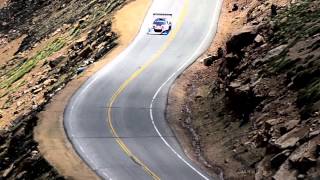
19,103
283,20
81,69
49,82
259,39
37,90
209,60
34,107
235,7
301,176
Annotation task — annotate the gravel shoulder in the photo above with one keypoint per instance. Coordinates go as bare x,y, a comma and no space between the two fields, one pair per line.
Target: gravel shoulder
50,134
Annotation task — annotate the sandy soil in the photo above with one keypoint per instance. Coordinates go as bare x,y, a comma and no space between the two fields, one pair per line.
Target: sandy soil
8,50
50,133
3,3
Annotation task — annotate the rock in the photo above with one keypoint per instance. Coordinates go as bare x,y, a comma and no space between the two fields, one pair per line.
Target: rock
273,10
261,169
19,103
271,122
270,55
103,50
81,69
235,84
283,20
21,175
53,63
241,39
209,60
305,156
220,52
290,139
49,82
318,150
277,160
314,133
85,52
289,125
235,7
35,154
232,61
301,176
259,39
285,172
37,90
8,171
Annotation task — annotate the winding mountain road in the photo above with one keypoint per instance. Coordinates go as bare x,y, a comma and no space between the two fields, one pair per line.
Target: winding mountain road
116,120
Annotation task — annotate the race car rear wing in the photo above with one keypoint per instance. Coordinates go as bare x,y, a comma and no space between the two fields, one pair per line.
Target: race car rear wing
162,15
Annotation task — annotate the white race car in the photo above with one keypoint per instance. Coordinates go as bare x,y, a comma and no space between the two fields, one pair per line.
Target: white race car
161,24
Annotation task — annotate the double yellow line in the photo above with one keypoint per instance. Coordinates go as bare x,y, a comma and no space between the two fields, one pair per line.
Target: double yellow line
123,86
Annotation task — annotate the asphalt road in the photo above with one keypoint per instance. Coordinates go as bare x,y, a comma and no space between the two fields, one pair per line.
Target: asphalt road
116,120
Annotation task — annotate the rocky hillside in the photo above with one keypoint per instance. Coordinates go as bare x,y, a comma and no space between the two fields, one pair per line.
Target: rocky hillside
43,45
257,114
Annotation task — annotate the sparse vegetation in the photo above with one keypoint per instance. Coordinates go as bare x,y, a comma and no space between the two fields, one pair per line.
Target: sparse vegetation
18,72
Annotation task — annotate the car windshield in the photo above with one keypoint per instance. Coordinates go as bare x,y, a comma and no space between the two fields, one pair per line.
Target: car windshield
159,22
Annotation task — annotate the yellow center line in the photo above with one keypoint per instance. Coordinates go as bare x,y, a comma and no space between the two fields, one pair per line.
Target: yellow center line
123,86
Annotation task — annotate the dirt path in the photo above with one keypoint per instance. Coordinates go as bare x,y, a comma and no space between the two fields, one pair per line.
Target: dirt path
50,134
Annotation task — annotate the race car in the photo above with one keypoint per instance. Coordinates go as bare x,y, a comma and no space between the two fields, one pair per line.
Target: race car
161,24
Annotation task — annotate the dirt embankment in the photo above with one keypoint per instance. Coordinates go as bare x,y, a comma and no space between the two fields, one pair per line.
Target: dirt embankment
50,134
253,110
44,45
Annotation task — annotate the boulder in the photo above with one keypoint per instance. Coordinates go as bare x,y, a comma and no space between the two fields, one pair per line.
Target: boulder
305,156
270,55
285,172
271,122
262,169
277,160
289,125
241,39
232,61
290,139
